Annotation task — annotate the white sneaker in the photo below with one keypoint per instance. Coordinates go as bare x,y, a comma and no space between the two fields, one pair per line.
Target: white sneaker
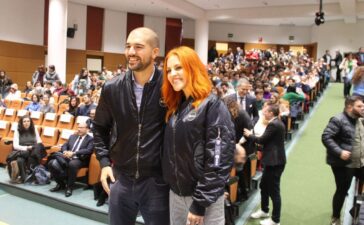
268,221
259,214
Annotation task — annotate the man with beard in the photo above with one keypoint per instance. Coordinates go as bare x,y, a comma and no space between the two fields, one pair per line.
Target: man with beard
345,150
128,133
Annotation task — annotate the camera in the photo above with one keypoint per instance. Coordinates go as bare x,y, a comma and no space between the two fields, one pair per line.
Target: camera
319,18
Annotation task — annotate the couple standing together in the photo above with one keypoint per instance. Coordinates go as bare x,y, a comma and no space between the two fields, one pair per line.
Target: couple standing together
163,140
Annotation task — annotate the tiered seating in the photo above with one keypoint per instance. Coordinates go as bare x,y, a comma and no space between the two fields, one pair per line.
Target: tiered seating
7,136
37,118
9,115
50,120
80,119
65,121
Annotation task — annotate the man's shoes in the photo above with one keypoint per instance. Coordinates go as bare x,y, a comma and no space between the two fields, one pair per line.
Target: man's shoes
268,221
58,187
68,192
335,221
259,214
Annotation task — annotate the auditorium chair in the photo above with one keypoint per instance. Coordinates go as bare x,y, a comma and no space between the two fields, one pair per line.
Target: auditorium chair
94,170
49,136
9,115
23,95
16,104
37,117
80,119
62,108
50,120
62,98
2,111
55,97
4,128
63,138
25,104
21,113
5,149
65,121
7,102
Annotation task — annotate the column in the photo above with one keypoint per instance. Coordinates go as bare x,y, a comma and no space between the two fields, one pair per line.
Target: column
202,38
57,36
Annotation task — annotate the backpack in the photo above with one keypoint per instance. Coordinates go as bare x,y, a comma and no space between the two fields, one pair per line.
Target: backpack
39,175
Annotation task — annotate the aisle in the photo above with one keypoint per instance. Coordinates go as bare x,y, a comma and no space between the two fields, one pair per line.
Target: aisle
307,183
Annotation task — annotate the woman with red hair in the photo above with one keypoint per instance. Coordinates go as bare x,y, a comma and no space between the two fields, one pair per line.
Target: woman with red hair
199,141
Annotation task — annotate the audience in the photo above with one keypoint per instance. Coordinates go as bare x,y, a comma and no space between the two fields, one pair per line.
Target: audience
85,108
34,105
46,107
5,83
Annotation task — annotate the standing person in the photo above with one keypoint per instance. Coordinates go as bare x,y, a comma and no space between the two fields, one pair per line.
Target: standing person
338,59
348,64
345,151
5,83
273,160
199,141
133,105
39,74
244,99
52,75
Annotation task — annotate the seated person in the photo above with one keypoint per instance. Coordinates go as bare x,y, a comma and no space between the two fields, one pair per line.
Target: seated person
90,122
25,141
73,106
34,105
85,108
46,107
14,93
74,154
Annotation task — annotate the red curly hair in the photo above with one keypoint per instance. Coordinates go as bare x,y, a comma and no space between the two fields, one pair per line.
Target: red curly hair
198,83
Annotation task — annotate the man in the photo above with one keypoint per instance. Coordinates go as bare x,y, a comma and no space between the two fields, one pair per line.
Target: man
273,161
87,105
345,151
58,87
338,59
90,121
76,153
246,101
132,106
46,107
327,59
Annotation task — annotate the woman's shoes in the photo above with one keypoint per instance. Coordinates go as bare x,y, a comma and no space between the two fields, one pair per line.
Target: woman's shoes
14,171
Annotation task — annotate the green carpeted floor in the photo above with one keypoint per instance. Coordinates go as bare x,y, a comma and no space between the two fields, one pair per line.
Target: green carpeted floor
307,183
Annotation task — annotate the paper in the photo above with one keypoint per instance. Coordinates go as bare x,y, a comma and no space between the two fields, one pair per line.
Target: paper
65,118
35,115
48,131
82,119
14,126
50,116
3,124
22,112
9,112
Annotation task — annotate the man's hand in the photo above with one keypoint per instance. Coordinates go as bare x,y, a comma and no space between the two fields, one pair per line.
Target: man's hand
345,155
247,132
106,172
226,195
193,219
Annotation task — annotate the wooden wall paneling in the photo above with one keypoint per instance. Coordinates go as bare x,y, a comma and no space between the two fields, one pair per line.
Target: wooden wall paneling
94,28
76,60
190,42
20,60
112,60
133,21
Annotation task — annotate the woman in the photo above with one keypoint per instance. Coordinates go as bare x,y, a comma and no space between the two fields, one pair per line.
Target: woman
81,83
73,106
27,149
14,93
34,105
5,83
28,87
199,141
356,78
348,64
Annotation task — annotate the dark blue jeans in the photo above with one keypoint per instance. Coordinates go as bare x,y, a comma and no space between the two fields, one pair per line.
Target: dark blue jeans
270,187
149,195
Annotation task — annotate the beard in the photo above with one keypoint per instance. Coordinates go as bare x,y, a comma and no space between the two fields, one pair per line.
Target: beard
357,113
139,65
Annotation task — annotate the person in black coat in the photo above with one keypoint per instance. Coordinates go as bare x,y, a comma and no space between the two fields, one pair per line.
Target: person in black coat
339,138
245,101
76,153
273,160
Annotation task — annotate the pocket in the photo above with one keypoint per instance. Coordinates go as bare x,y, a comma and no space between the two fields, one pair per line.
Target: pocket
159,182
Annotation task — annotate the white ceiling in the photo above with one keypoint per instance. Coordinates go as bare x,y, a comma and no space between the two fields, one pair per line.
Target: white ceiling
259,12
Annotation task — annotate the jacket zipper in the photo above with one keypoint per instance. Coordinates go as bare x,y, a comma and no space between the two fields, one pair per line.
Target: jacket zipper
174,149
140,125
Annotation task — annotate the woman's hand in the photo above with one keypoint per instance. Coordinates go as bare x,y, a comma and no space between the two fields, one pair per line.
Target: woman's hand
193,219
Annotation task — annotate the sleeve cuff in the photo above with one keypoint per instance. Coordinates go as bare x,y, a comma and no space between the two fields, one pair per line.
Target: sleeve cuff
104,162
197,209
